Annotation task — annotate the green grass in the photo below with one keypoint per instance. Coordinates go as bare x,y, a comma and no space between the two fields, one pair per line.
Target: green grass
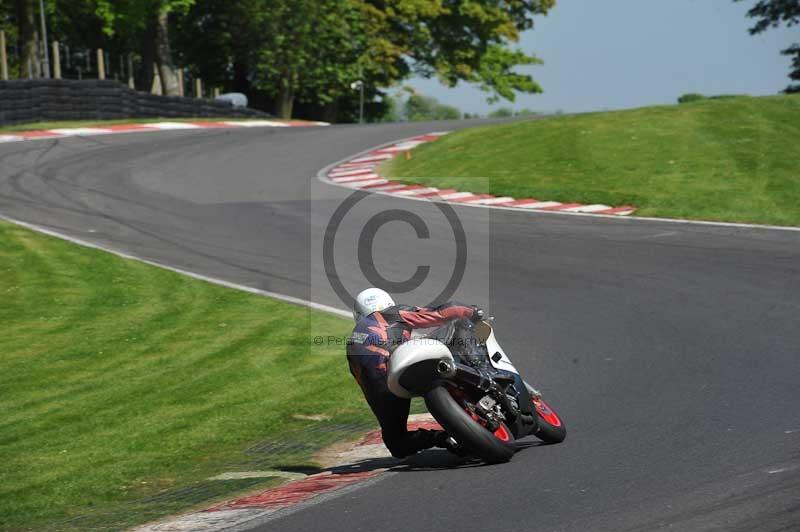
36,126
124,387
734,160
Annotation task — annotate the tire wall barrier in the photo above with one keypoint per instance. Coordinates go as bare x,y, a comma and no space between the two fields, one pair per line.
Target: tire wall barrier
60,99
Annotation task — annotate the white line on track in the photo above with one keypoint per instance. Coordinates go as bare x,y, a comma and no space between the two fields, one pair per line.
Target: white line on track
172,125
490,201
364,182
81,131
356,178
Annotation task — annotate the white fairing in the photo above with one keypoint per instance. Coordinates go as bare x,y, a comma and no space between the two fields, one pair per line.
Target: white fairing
410,353
503,362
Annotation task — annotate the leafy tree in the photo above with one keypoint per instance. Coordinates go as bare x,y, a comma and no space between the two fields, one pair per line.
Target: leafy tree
145,23
771,14
9,25
303,53
505,112
691,97
220,41
27,38
419,108
313,51
310,51
458,40
502,112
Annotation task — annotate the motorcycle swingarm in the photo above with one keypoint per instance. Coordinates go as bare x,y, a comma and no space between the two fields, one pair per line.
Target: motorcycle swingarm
494,385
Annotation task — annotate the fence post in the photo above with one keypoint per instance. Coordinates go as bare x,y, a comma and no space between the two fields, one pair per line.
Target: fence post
56,61
198,88
131,83
101,64
155,88
216,92
180,82
3,57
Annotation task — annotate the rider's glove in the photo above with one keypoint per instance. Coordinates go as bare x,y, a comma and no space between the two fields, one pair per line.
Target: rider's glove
477,314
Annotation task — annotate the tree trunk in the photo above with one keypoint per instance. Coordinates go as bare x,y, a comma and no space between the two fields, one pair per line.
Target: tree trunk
27,37
144,81
169,80
241,79
330,111
285,103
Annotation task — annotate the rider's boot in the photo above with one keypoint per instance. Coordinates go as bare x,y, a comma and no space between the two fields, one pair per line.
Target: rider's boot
444,441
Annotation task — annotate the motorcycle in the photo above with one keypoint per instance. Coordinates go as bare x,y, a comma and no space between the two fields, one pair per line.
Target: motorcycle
472,389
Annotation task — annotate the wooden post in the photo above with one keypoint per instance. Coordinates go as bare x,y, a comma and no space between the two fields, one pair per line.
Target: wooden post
156,87
3,57
56,61
198,88
180,82
101,64
131,83
216,92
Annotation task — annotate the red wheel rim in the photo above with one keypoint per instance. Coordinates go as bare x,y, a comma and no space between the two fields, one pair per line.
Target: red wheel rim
501,433
546,413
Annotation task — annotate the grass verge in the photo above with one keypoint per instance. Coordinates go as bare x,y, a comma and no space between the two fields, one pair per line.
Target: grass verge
125,387
734,160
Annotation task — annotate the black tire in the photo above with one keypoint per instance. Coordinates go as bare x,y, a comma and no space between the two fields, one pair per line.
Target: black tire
466,431
546,430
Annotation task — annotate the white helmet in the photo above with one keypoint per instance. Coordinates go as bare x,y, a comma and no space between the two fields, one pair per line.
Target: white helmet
369,301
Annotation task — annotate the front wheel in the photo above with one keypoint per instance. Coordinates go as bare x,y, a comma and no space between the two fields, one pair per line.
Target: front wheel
550,428
463,425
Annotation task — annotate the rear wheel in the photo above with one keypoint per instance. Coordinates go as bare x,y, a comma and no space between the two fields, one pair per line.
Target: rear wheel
465,426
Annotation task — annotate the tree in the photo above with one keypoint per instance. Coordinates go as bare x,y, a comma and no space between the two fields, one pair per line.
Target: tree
8,24
145,22
303,54
419,108
502,112
771,14
313,51
27,38
457,40
310,51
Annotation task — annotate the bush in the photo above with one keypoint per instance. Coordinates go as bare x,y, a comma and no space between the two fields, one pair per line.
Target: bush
420,108
691,97
503,112
527,112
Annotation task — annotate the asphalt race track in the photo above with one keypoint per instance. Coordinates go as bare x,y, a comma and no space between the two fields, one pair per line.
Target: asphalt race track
672,351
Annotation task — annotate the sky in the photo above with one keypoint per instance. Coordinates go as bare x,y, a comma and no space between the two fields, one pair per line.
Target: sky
616,54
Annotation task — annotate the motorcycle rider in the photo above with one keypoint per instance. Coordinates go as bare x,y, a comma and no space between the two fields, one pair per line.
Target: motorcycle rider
381,327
